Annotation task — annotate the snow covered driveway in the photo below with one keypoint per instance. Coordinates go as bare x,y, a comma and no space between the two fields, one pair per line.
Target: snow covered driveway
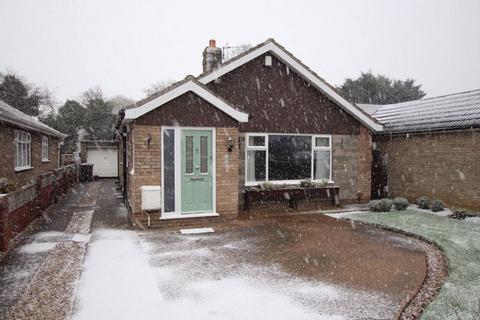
166,275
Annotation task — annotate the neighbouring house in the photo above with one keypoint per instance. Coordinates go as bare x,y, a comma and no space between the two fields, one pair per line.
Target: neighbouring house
28,147
30,177
262,116
103,154
429,147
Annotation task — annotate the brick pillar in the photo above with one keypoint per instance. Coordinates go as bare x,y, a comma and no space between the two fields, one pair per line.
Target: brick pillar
3,223
364,178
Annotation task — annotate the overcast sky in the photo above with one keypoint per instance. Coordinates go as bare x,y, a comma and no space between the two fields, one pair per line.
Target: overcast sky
125,46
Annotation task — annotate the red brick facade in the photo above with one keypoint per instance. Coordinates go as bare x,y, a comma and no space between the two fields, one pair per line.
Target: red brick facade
444,165
7,155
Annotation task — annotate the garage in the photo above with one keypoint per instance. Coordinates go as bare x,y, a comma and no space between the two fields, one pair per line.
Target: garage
104,157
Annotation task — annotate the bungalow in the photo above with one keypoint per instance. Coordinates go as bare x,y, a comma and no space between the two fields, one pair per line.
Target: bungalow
28,147
260,117
429,147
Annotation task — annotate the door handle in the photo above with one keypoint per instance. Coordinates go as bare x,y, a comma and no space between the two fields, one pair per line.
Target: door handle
196,179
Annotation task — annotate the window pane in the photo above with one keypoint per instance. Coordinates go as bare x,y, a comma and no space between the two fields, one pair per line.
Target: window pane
203,154
189,154
256,141
289,157
18,161
321,168
322,142
28,154
256,165
169,170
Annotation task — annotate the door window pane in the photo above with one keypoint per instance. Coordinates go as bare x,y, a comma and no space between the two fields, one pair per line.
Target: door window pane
256,165
321,167
189,154
169,170
203,154
289,157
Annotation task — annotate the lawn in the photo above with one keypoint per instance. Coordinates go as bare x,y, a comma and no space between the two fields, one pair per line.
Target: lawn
459,297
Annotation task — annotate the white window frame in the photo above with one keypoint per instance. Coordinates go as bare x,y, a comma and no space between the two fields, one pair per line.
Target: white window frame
265,148
23,157
45,149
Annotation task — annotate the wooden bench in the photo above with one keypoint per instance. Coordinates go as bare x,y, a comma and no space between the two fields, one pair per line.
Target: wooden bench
291,194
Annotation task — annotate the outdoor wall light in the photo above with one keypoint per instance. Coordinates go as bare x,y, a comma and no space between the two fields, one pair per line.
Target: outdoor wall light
230,144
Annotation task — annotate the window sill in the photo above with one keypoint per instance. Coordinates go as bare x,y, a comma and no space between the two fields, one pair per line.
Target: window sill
287,182
45,160
19,169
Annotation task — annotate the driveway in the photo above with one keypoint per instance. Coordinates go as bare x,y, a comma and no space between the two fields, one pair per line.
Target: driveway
302,267
295,267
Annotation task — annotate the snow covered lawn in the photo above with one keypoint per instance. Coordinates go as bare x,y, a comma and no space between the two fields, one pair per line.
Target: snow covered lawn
460,296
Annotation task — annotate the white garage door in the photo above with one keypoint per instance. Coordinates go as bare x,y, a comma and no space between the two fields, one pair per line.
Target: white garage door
104,161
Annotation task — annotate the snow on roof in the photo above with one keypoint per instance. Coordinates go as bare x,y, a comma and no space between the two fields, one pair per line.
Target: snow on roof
453,111
18,118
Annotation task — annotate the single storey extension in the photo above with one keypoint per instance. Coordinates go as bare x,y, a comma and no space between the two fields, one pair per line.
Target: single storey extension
429,147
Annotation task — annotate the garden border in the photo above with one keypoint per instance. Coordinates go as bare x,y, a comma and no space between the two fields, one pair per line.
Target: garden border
434,278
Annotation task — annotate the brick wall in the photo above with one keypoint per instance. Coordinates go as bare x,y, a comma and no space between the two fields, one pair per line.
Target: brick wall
227,172
7,156
442,165
145,161
364,178
20,207
147,165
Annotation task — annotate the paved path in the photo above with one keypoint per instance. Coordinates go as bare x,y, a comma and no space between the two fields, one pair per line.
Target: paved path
38,279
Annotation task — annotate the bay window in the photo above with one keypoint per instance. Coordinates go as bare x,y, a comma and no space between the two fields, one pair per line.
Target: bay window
23,142
285,158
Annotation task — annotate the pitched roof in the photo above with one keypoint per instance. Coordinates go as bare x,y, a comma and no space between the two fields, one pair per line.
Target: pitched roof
272,47
16,117
179,88
453,111
282,54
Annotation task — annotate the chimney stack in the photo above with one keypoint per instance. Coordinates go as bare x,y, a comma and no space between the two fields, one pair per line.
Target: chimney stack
212,56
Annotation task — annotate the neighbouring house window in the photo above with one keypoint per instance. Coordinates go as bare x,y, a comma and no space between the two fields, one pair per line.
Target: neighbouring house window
284,158
23,142
44,148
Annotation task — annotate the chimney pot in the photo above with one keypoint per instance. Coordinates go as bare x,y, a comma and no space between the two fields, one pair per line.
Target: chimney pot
212,43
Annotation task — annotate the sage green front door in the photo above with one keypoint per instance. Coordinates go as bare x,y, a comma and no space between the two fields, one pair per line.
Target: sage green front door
197,167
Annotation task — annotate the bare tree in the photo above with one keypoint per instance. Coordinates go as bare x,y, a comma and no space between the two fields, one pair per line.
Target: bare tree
158,86
230,52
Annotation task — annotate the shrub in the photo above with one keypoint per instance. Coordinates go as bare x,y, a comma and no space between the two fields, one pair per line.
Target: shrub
436,205
400,203
423,203
306,183
383,205
266,186
6,186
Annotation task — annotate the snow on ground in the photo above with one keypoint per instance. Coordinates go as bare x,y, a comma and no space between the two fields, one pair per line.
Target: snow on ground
34,247
162,275
116,282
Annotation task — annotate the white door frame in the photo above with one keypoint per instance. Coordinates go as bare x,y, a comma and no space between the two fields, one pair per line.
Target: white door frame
178,175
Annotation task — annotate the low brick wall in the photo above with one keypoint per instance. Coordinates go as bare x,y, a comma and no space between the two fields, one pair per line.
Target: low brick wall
19,208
